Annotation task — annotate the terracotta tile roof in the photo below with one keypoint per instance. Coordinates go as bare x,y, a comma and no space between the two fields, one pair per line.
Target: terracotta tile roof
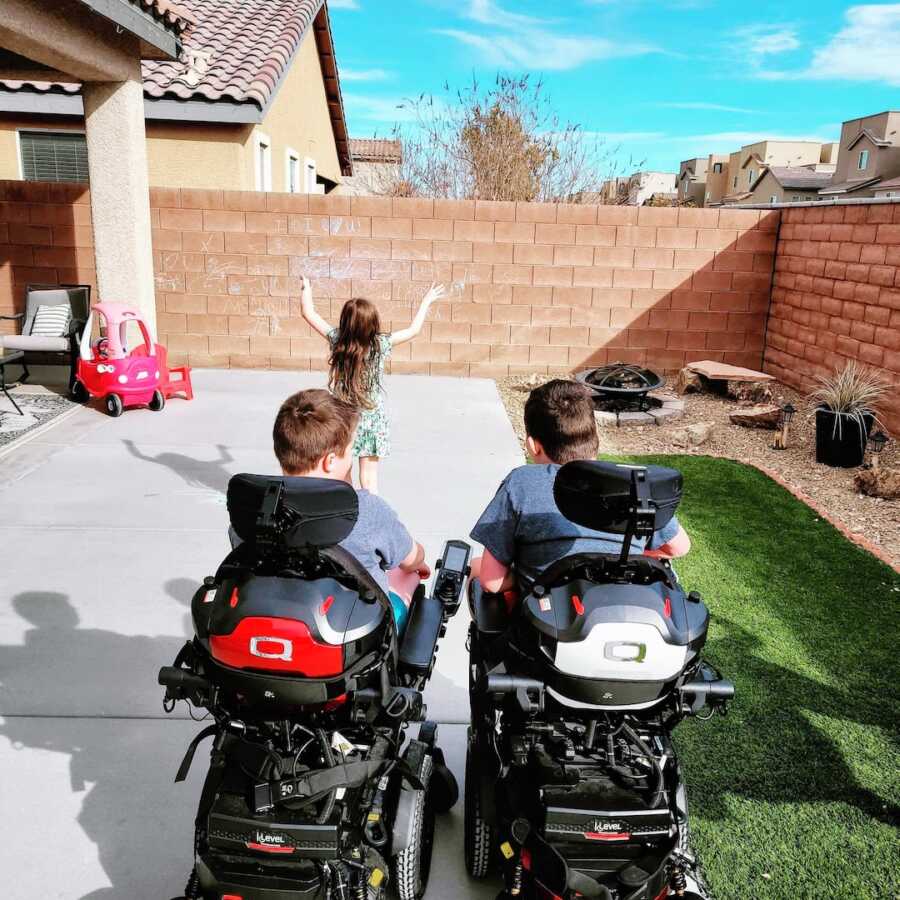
376,150
235,51
170,15
250,44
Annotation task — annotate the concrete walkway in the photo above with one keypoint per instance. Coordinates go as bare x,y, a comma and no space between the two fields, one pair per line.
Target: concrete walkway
107,527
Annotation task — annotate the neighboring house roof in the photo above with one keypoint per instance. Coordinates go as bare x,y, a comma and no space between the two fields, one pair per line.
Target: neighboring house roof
865,132
890,183
754,159
797,178
848,187
377,150
236,53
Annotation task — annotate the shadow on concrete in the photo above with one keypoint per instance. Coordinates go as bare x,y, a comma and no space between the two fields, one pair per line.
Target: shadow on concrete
107,755
196,473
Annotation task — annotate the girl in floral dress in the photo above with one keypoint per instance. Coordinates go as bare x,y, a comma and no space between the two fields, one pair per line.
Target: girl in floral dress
359,351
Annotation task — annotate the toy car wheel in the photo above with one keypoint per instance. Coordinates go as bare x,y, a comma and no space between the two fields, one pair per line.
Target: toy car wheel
479,835
114,405
79,392
157,402
412,866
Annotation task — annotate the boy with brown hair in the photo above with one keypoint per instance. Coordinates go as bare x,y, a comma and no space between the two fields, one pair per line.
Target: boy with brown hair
313,438
521,529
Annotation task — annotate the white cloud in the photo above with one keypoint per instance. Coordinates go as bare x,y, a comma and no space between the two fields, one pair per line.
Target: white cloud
517,41
343,4
542,50
713,107
364,75
368,108
867,48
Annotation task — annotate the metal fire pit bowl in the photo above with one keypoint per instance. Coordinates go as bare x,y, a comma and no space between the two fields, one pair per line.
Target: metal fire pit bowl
620,386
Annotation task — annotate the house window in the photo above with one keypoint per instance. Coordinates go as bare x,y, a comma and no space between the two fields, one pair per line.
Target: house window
311,178
292,181
53,156
750,176
708,195
773,199
795,197
735,182
717,168
263,162
863,160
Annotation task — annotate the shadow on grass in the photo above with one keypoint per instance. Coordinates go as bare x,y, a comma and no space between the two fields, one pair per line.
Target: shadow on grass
803,770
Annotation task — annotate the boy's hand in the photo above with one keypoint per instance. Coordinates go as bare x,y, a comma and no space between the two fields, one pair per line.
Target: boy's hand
424,571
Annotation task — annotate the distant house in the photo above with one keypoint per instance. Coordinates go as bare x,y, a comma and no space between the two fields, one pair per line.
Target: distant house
886,190
635,189
869,157
691,182
376,167
747,164
786,184
252,103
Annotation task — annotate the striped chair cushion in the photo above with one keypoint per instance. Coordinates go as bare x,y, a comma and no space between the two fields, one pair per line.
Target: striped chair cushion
51,321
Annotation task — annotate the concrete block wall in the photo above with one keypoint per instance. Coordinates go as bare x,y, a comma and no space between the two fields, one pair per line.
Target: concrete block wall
836,296
533,287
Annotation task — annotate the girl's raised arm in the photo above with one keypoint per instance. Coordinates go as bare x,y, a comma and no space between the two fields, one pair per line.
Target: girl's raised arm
435,292
316,322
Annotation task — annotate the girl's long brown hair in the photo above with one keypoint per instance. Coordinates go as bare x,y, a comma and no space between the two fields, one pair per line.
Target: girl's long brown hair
353,363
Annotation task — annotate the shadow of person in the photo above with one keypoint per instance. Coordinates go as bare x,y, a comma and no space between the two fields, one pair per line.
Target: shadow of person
779,755
196,473
64,690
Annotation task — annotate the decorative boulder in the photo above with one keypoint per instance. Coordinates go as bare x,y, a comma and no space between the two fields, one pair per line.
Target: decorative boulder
884,483
693,435
757,417
688,382
749,391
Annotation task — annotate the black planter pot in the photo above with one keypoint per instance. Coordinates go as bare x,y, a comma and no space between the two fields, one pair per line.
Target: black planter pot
841,444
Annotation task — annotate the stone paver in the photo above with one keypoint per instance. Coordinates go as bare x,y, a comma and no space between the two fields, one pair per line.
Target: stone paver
108,526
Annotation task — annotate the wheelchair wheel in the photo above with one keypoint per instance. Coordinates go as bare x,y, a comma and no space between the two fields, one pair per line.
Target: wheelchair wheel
443,786
412,866
479,836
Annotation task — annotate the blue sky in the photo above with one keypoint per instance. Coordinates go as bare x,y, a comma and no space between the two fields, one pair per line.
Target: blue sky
663,81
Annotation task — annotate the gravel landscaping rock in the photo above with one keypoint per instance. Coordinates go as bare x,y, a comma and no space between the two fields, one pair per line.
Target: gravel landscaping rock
834,490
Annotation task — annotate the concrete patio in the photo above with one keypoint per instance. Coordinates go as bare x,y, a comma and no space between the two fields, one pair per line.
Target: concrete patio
108,526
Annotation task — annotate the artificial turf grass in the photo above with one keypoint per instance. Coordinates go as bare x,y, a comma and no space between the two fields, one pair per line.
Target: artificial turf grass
795,793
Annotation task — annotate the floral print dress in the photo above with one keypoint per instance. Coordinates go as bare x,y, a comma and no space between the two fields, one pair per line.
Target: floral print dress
373,436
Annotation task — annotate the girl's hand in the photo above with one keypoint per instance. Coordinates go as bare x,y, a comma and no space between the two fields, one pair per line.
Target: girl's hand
306,291
435,292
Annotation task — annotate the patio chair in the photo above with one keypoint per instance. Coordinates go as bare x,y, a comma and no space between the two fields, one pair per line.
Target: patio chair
78,298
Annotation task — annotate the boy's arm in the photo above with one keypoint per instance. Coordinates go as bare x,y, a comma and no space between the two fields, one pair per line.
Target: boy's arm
496,532
415,562
316,322
676,546
494,576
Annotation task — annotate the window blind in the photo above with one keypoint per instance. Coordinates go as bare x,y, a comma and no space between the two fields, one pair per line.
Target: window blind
49,156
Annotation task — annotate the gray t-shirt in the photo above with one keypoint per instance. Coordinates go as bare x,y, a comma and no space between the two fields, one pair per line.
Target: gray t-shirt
379,540
523,527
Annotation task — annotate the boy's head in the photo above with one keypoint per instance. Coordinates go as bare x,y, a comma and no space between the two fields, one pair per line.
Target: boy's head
313,435
559,423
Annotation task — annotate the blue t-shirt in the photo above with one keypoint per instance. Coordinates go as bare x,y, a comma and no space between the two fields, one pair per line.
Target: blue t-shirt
522,526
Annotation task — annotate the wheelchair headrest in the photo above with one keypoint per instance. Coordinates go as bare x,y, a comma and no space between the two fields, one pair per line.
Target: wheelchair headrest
600,495
291,513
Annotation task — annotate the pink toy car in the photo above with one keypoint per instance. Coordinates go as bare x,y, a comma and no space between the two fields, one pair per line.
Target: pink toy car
108,368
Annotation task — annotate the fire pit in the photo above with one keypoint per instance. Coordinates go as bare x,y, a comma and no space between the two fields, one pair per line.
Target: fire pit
623,395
